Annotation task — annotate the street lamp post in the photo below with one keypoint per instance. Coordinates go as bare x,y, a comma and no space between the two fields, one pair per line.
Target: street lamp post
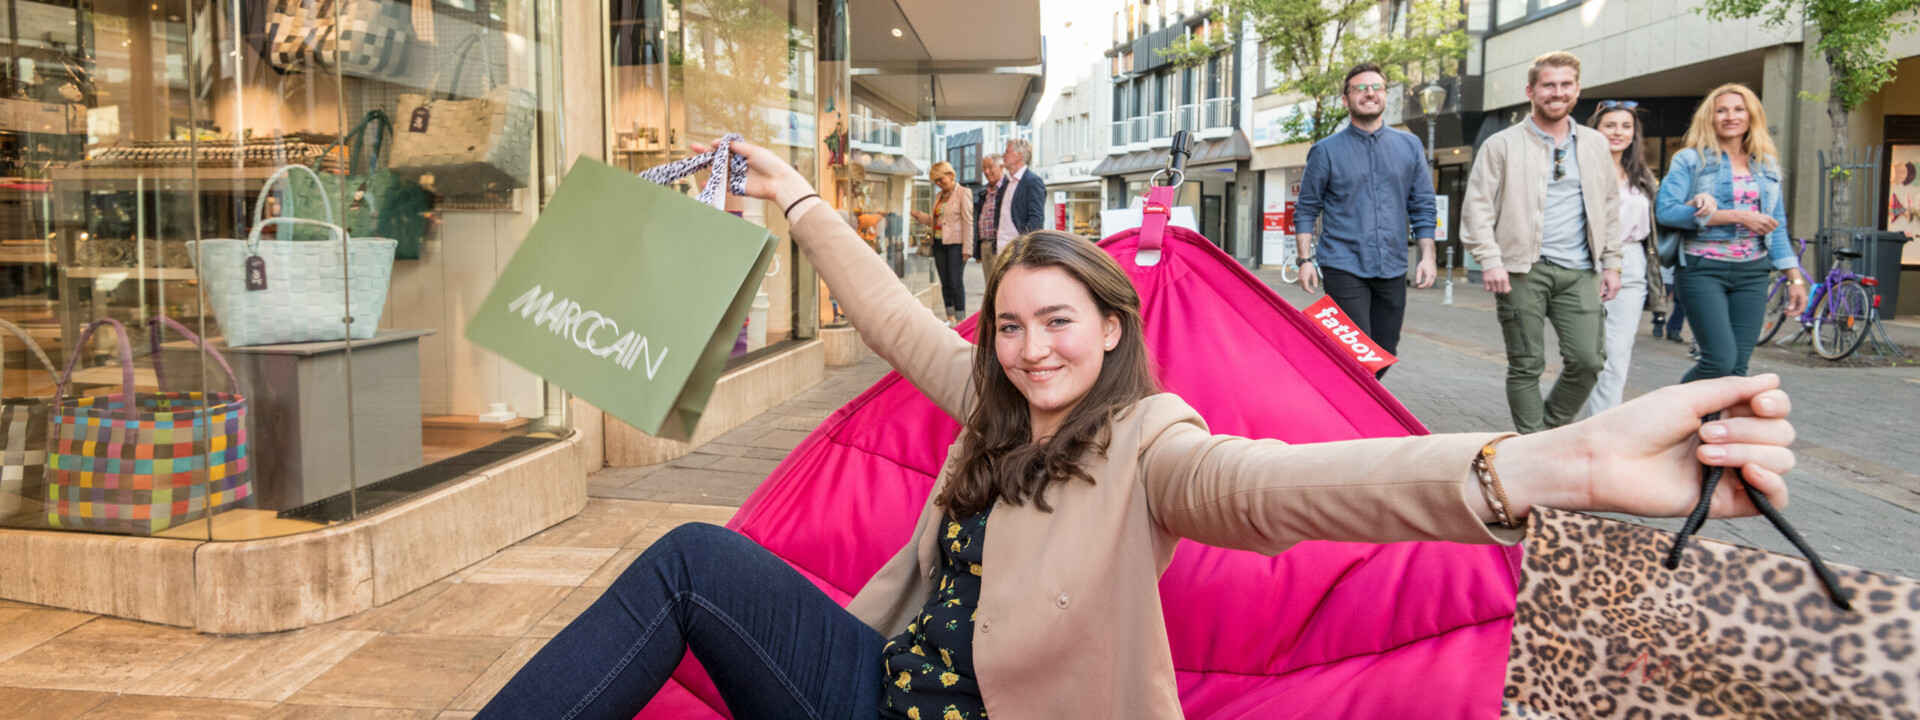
1432,98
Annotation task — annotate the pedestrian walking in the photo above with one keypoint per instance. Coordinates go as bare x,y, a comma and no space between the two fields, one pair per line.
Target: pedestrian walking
1089,476
1542,215
1619,121
1363,189
951,223
1723,262
986,211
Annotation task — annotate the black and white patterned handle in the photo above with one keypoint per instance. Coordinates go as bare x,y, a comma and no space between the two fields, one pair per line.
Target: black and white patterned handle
722,164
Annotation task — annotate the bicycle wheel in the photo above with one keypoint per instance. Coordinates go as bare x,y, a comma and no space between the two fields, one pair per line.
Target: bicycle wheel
1841,324
1290,273
1776,310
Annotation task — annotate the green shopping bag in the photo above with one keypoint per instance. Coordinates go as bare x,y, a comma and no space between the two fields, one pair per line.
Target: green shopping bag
629,295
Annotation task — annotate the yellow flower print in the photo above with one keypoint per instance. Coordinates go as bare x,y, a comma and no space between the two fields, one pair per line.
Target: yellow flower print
953,530
913,713
975,569
946,679
953,713
903,682
944,657
917,651
955,547
952,603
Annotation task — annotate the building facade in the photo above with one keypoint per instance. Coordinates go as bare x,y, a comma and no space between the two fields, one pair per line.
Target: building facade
1153,97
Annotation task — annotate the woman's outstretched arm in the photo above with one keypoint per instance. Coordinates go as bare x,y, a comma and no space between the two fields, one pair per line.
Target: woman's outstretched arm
895,325
1641,458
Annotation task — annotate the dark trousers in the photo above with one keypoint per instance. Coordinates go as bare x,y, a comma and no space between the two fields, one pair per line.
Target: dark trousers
775,645
1727,303
1677,319
1375,305
951,269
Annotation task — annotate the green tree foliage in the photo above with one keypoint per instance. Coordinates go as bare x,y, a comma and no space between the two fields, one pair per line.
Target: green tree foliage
1851,35
1313,42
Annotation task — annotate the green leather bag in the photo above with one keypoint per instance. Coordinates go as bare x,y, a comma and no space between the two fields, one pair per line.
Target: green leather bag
379,203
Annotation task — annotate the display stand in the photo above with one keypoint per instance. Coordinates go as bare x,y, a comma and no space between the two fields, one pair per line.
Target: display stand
297,411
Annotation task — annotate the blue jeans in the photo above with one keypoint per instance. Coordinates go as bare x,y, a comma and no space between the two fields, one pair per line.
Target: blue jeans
775,645
1726,302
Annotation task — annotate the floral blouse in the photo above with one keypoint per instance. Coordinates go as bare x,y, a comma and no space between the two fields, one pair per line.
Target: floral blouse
1745,246
929,668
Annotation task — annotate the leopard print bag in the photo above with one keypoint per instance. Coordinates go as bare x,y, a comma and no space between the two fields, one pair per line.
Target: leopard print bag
1602,630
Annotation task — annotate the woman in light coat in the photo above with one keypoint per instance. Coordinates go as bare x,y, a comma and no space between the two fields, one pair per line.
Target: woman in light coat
1087,475
952,225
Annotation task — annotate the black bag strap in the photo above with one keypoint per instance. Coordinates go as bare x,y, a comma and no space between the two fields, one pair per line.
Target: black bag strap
1710,478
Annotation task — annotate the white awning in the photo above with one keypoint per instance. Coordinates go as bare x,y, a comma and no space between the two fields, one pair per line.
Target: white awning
979,60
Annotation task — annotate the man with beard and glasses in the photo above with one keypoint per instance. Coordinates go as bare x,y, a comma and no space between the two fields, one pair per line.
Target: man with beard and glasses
1364,188
1542,217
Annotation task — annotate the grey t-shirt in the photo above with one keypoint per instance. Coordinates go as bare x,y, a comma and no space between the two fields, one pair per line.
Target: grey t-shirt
1563,230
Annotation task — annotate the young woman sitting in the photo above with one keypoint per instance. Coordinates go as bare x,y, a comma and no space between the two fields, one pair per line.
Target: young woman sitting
1028,589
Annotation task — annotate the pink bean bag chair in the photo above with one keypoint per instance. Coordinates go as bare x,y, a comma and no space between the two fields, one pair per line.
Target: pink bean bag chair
1324,630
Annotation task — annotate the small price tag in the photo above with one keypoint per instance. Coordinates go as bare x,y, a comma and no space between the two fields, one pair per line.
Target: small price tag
256,273
418,123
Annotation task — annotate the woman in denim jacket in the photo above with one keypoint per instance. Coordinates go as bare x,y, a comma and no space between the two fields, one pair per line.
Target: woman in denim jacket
1723,260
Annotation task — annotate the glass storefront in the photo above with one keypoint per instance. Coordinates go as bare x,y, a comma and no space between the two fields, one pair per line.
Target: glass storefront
238,171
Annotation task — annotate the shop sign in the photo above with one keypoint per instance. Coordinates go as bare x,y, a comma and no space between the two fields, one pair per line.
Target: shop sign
1060,211
1440,203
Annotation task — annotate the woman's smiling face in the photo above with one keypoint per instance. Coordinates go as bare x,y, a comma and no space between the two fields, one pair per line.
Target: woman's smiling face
1051,341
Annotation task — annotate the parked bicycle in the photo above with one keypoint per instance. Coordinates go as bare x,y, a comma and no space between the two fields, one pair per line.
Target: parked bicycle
1841,309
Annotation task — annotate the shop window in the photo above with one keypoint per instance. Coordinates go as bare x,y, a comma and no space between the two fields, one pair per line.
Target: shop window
160,160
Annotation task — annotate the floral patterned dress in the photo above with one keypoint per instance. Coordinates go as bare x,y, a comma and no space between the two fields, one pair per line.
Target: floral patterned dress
1745,245
929,668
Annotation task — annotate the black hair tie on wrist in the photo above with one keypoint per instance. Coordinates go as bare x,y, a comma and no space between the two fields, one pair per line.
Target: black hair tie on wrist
1710,477
803,198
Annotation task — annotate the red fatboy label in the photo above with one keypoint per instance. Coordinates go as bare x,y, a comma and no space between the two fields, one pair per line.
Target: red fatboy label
1333,322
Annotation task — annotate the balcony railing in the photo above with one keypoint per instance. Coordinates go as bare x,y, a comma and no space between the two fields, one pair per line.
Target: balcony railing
1142,126
1219,113
1163,124
1119,133
1187,117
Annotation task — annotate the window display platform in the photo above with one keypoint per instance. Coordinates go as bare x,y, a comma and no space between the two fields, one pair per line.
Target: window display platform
303,579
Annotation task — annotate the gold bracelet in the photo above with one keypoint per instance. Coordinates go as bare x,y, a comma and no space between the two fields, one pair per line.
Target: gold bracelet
1490,484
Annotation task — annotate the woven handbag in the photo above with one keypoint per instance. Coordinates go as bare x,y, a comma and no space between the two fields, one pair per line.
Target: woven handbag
140,463
23,429
369,38
482,144
306,291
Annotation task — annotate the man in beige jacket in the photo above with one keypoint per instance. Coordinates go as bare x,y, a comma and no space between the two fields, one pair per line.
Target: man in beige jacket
1541,216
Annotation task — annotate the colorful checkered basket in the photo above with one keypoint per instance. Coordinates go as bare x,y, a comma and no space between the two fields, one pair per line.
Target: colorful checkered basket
139,462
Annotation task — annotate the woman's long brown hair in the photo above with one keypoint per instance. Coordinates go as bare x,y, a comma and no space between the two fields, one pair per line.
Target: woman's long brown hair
1001,460
1634,160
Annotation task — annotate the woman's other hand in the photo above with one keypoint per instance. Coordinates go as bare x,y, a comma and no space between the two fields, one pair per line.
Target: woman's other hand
1644,456
769,177
1704,205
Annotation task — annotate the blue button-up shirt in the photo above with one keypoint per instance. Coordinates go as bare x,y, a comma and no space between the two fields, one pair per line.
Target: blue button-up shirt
1361,192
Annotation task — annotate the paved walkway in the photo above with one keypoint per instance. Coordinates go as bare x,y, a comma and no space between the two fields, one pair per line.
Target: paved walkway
441,652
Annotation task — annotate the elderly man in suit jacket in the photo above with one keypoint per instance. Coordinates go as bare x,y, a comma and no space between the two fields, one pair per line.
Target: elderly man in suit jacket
1023,195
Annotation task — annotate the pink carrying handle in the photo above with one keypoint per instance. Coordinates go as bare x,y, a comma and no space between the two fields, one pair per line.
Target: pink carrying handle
79,348
1153,217
153,340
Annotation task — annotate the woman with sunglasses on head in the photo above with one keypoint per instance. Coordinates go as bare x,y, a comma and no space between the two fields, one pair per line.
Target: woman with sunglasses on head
1724,260
1029,587
1619,122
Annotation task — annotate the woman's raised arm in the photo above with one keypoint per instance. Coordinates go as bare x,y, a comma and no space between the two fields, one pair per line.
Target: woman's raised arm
892,322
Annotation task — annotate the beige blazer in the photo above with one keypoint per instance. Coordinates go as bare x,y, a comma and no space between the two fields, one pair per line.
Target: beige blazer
956,218
1069,622
1506,200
